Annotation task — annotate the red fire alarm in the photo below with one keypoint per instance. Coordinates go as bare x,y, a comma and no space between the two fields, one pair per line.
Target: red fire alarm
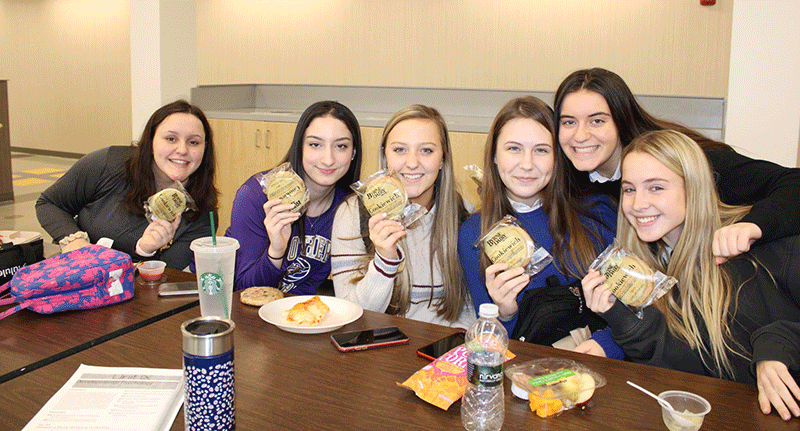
708,2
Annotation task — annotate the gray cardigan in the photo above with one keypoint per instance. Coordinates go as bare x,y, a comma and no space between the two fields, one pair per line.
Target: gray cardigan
89,197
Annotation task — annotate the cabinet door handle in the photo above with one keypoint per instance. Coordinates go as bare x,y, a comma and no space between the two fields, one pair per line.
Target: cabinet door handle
258,135
266,138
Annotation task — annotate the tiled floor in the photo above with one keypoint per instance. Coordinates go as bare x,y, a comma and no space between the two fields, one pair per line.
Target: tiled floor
31,175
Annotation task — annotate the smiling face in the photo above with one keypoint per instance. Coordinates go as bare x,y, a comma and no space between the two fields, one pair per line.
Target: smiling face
414,150
327,151
653,199
587,133
178,146
524,159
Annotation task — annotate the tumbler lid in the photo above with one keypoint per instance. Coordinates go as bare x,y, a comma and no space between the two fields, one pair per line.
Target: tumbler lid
207,336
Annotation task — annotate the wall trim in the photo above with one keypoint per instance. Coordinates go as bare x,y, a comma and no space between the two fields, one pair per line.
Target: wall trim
39,152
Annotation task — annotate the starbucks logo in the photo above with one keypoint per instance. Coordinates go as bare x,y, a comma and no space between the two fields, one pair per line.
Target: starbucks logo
211,283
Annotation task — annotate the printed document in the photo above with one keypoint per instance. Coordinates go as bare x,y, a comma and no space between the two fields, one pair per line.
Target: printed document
111,398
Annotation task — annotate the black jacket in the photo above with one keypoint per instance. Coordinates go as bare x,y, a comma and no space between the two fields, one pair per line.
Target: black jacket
766,321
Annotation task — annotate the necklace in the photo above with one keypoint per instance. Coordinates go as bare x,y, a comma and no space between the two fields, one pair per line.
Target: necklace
311,221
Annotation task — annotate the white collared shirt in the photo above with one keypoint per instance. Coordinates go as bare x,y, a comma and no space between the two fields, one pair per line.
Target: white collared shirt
525,208
596,177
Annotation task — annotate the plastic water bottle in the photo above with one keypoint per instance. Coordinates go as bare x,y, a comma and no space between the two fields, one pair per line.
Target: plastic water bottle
482,407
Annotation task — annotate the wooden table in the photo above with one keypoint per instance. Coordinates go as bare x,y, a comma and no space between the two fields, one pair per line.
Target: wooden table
300,382
30,340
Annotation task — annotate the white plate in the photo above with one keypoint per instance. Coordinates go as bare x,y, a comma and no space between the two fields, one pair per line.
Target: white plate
342,312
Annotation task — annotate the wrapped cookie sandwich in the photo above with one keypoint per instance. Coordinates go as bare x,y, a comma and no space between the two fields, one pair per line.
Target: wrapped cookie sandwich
475,173
283,183
382,192
630,279
168,203
508,242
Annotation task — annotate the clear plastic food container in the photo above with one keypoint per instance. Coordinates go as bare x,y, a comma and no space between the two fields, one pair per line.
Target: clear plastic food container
553,385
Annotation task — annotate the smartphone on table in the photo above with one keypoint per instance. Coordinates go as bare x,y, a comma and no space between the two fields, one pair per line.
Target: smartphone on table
178,288
368,339
441,346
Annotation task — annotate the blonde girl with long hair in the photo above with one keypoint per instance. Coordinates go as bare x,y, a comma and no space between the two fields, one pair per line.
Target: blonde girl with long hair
739,320
409,271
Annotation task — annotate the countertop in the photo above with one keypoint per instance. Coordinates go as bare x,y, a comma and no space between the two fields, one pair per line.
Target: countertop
455,123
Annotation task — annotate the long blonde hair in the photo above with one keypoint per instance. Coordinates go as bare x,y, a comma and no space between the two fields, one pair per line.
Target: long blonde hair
703,288
450,212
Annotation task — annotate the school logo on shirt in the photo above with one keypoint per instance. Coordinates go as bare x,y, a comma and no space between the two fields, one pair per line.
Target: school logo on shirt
295,272
317,248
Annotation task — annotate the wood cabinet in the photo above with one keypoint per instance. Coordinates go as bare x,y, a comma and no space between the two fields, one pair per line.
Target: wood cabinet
245,147
467,150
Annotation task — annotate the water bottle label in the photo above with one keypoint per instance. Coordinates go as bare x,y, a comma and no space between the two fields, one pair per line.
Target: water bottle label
485,375
211,283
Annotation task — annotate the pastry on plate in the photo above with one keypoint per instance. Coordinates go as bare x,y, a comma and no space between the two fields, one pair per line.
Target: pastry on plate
307,313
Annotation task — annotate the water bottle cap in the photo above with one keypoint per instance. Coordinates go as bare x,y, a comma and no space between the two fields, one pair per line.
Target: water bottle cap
207,336
488,310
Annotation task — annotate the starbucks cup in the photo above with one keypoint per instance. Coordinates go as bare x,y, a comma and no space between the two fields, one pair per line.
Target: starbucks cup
209,402
215,266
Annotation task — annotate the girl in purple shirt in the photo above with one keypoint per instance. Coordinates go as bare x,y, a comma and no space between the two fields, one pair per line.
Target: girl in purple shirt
290,250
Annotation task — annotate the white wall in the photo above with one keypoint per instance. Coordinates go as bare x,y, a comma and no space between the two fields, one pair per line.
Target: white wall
163,56
763,112
178,49
145,63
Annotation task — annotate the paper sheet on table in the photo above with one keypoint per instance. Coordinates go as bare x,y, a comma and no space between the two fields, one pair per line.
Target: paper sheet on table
103,398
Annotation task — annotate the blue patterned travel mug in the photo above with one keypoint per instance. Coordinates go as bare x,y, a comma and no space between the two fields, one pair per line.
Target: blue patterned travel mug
209,402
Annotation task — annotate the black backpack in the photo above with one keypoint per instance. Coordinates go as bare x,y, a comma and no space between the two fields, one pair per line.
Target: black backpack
548,314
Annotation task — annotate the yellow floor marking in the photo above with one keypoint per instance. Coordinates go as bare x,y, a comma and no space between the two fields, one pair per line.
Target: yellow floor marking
29,182
41,171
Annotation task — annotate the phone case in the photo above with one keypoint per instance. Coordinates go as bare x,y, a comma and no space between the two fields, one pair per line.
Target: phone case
369,346
374,345
169,289
422,354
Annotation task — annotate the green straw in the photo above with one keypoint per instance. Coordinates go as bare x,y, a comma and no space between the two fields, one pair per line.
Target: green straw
213,228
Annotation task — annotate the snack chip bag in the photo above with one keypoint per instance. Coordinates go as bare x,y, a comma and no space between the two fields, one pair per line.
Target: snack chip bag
284,184
168,203
508,242
475,173
630,279
442,382
382,192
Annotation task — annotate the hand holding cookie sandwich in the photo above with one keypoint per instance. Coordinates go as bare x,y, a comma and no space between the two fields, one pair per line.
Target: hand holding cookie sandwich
159,233
163,209
287,199
618,274
515,257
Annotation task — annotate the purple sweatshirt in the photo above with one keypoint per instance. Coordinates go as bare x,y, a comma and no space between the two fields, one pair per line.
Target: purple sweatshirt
298,274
